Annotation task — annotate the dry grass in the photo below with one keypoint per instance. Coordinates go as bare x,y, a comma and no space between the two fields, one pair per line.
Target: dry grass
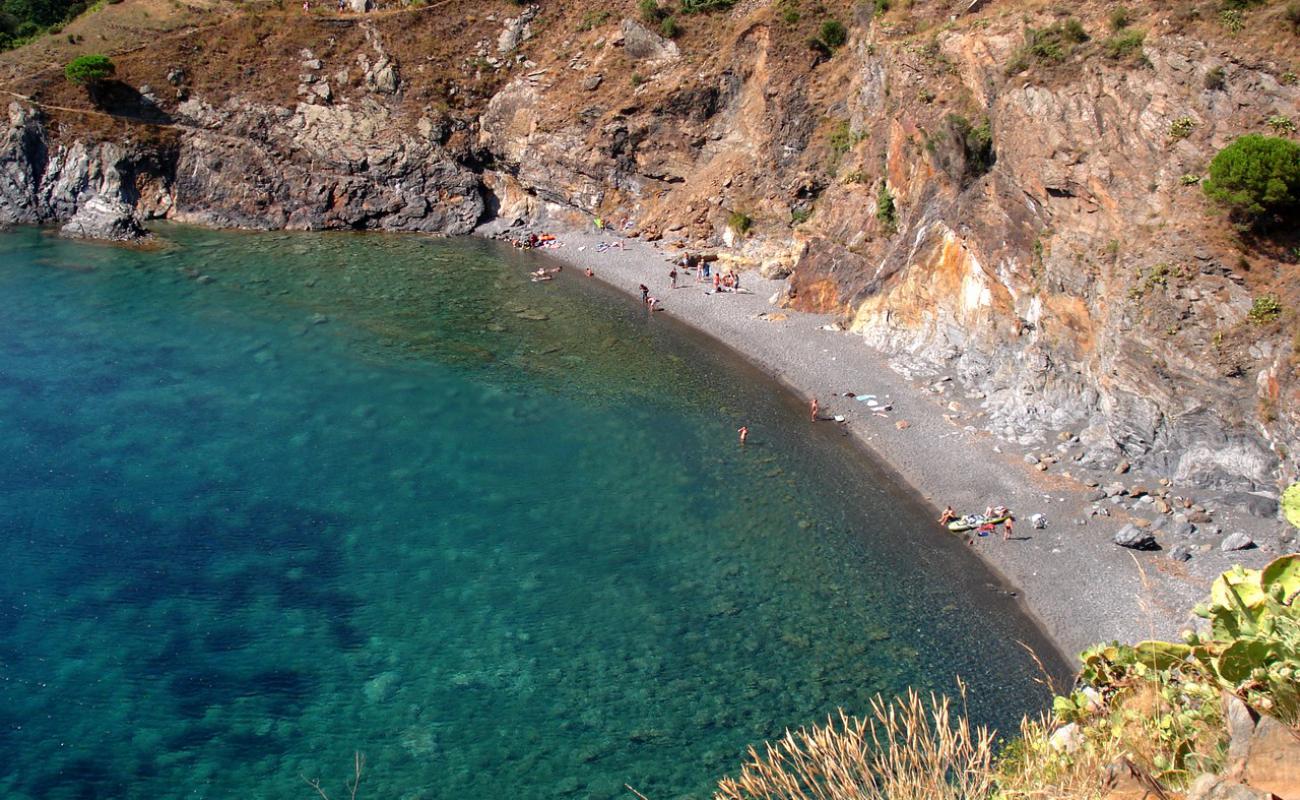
1030,768
907,749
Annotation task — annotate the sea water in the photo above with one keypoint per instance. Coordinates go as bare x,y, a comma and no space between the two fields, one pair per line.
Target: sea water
268,501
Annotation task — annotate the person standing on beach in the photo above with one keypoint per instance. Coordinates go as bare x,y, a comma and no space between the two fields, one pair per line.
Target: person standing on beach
813,408
1006,529
672,277
645,294
744,434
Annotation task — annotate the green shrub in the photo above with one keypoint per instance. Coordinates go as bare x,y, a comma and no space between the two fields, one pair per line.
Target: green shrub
706,6
885,211
637,79
1256,176
1050,45
976,142
1265,309
669,29
740,222
841,138
651,13
800,215
1181,128
1214,79
88,70
1124,44
1292,15
593,19
834,34
1238,5
1190,179
1119,18
1281,124
881,6
1232,19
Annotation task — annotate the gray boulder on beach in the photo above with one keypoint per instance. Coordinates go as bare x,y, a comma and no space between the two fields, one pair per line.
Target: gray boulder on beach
1181,552
1237,541
1134,538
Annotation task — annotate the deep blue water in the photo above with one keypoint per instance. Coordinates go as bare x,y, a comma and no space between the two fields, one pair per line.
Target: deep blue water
268,500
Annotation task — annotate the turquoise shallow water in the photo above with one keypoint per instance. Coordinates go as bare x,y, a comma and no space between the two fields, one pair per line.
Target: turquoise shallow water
267,500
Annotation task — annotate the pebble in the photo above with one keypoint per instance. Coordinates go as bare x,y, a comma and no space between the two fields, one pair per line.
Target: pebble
1030,458
1122,467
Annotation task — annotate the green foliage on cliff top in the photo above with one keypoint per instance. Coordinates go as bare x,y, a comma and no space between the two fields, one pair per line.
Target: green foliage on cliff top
23,20
89,69
1255,177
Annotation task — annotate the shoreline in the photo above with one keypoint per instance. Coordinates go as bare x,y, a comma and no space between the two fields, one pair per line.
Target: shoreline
1072,581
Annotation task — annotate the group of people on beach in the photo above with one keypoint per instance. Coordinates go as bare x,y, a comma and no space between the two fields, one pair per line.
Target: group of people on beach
534,241
982,525
728,281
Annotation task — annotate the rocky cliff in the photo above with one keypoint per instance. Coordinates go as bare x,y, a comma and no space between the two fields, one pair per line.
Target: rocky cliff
1000,192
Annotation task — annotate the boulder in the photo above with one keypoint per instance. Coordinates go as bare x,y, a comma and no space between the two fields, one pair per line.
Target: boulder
1066,739
1134,538
1124,780
516,30
1241,726
1257,505
1181,552
1214,787
642,44
1273,763
1236,541
104,218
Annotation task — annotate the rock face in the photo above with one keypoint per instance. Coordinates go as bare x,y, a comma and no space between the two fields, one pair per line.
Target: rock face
1038,235
106,218
95,188
316,167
